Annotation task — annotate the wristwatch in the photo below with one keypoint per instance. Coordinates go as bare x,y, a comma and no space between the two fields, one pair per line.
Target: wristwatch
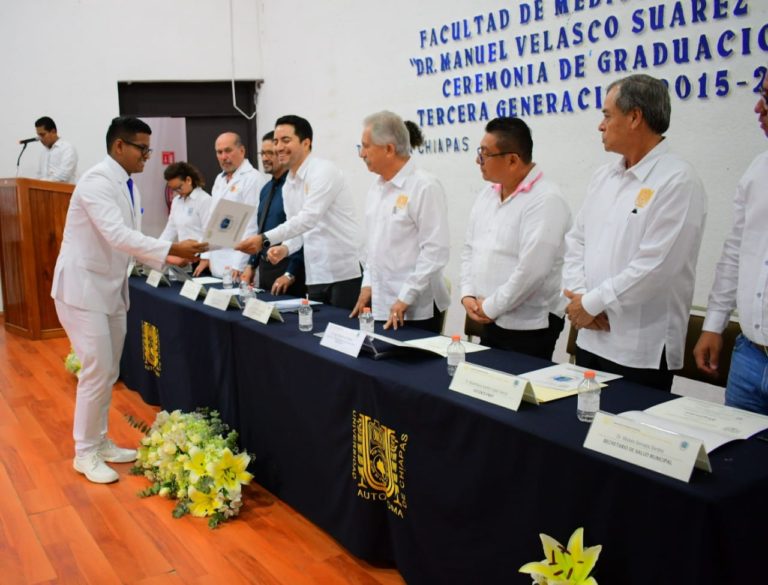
265,243
289,275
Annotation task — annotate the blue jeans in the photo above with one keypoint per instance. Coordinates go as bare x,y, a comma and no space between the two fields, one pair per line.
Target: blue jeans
748,377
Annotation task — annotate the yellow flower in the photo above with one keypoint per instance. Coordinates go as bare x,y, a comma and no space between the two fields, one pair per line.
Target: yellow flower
565,566
203,504
229,471
196,464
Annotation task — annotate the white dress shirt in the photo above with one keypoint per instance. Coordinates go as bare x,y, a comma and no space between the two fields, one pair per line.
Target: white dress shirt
186,221
244,187
321,217
407,244
513,253
58,163
741,277
101,234
632,252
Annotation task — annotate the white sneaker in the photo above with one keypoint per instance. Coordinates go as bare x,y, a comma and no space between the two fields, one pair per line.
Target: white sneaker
92,466
113,454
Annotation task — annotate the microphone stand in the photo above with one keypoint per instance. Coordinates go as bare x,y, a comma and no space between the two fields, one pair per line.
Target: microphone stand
18,160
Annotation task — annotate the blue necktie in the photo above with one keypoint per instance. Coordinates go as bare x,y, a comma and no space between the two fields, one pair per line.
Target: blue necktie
130,189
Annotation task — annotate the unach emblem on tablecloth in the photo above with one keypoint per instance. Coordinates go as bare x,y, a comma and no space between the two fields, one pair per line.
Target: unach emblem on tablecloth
378,463
150,343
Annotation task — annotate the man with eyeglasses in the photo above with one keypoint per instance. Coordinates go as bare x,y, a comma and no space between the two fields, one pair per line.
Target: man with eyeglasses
90,285
287,276
407,241
630,261
238,181
512,257
58,162
321,219
741,281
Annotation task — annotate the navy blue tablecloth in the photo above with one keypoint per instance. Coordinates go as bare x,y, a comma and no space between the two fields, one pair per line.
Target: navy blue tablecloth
448,488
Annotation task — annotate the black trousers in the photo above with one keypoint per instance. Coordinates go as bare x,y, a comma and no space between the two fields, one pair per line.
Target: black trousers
343,294
660,378
535,342
269,273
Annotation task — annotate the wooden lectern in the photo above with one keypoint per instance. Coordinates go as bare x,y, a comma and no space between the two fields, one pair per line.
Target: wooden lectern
32,215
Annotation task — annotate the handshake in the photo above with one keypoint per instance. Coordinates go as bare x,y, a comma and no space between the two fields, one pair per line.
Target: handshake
255,244
180,253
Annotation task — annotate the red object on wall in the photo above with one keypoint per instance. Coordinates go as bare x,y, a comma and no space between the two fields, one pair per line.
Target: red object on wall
169,157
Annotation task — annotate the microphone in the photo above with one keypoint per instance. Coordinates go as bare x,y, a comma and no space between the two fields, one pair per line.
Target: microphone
28,140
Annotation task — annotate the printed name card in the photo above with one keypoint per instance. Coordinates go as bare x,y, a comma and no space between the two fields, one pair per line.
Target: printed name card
489,385
343,339
218,299
260,311
665,452
191,290
131,268
156,278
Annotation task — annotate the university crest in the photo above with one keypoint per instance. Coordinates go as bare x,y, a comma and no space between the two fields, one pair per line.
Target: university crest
150,344
378,463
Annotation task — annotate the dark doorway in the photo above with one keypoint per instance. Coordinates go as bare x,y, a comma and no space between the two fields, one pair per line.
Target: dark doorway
207,107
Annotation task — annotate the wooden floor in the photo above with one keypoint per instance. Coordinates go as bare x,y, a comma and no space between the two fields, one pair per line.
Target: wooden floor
56,527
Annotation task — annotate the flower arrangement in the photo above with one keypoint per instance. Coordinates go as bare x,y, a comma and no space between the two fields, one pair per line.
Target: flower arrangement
193,457
72,363
564,566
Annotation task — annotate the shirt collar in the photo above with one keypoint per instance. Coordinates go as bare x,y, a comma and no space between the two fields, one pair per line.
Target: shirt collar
398,181
302,172
280,181
644,167
525,185
117,169
244,167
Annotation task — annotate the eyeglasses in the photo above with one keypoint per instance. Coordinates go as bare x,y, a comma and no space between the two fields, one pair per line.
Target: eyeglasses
146,151
482,155
266,153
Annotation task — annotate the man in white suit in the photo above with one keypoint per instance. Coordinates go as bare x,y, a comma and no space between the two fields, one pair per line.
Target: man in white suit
90,285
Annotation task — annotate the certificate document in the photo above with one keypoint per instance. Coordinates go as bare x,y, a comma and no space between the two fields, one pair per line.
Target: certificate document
227,223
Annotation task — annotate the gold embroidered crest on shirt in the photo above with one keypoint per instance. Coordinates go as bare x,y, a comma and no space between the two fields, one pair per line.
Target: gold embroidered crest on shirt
233,188
401,202
643,197
306,188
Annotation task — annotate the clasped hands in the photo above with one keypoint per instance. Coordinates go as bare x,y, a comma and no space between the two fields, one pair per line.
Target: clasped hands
254,245
580,318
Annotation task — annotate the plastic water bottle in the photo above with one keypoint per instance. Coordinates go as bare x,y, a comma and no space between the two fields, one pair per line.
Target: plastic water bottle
456,354
366,320
305,316
226,278
246,292
588,402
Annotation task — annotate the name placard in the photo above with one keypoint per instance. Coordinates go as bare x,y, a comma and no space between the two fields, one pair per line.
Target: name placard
191,290
156,278
260,311
343,339
217,298
664,452
489,385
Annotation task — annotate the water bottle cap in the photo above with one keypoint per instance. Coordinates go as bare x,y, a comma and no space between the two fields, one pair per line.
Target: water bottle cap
304,301
456,337
589,374
366,309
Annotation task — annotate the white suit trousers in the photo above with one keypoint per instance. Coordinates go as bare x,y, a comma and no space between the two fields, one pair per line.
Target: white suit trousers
97,339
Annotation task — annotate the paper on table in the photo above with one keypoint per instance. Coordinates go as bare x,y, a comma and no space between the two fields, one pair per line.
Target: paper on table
227,223
289,305
206,280
714,424
437,344
564,377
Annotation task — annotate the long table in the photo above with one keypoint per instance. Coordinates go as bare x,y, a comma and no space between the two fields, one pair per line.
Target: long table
447,488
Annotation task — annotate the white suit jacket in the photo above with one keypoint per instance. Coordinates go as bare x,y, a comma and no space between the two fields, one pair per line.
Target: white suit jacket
101,234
